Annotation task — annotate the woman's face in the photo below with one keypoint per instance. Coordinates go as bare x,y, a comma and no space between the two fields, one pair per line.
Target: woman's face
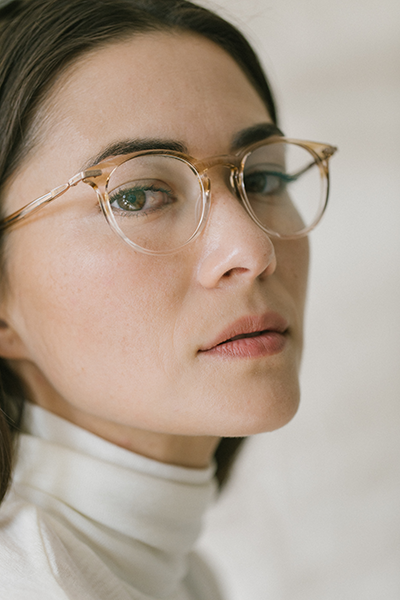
100,331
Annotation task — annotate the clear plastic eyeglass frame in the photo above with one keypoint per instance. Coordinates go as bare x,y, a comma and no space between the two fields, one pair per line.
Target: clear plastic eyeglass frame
98,176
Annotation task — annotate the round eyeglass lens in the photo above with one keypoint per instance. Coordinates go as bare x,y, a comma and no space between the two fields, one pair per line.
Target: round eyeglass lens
156,201
285,188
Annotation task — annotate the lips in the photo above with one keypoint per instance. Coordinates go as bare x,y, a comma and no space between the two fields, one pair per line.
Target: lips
271,325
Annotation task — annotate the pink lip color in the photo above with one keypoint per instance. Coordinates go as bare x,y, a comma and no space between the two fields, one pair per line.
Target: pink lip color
270,338
266,344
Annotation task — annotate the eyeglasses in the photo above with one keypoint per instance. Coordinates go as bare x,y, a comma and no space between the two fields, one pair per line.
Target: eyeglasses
158,201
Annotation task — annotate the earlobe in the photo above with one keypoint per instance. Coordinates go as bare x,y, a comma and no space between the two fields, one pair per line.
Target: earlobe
11,345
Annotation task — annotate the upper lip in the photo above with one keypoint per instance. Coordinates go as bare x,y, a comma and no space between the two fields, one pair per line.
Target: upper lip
252,324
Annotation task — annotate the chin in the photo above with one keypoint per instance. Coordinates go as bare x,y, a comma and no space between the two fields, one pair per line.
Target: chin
248,414
268,420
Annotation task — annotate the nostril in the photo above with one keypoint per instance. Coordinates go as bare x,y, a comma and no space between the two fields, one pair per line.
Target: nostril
234,271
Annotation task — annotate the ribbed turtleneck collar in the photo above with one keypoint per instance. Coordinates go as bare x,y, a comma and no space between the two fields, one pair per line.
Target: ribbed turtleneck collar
139,516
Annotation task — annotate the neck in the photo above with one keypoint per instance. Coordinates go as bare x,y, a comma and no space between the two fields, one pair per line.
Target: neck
181,450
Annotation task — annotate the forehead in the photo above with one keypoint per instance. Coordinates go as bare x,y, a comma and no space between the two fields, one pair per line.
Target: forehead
176,85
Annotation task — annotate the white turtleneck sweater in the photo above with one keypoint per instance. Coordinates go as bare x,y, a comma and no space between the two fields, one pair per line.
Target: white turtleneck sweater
88,520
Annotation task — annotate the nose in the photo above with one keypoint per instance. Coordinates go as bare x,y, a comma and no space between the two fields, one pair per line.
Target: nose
233,246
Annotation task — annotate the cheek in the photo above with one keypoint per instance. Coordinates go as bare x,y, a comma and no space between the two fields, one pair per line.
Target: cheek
94,311
292,267
292,278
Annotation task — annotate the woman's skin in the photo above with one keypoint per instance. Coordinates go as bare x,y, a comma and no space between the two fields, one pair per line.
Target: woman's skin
115,340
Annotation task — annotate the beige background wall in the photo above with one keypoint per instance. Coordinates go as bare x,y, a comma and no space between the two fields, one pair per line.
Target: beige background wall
313,512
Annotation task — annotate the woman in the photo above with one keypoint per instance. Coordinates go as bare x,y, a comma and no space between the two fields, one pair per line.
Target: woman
151,305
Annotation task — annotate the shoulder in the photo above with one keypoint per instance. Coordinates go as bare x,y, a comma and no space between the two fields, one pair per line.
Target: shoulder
40,559
25,571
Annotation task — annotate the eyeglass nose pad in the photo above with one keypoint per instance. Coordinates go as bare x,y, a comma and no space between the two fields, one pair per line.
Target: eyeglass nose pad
236,182
232,180
203,207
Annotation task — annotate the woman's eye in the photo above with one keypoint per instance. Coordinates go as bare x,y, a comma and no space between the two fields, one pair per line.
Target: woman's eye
140,197
264,182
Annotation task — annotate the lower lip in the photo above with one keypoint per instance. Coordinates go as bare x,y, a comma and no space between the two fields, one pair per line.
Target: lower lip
266,344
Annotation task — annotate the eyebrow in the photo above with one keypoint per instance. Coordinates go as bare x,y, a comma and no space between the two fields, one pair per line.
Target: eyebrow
137,145
254,134
243,138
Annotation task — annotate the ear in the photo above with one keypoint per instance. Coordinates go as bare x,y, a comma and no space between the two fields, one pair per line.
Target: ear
11,345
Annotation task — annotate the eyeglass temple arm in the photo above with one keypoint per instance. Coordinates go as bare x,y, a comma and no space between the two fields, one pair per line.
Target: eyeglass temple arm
323,161
323,153
52,195
298,174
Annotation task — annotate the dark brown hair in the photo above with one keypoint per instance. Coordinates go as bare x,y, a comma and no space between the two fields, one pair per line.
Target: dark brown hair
38,40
